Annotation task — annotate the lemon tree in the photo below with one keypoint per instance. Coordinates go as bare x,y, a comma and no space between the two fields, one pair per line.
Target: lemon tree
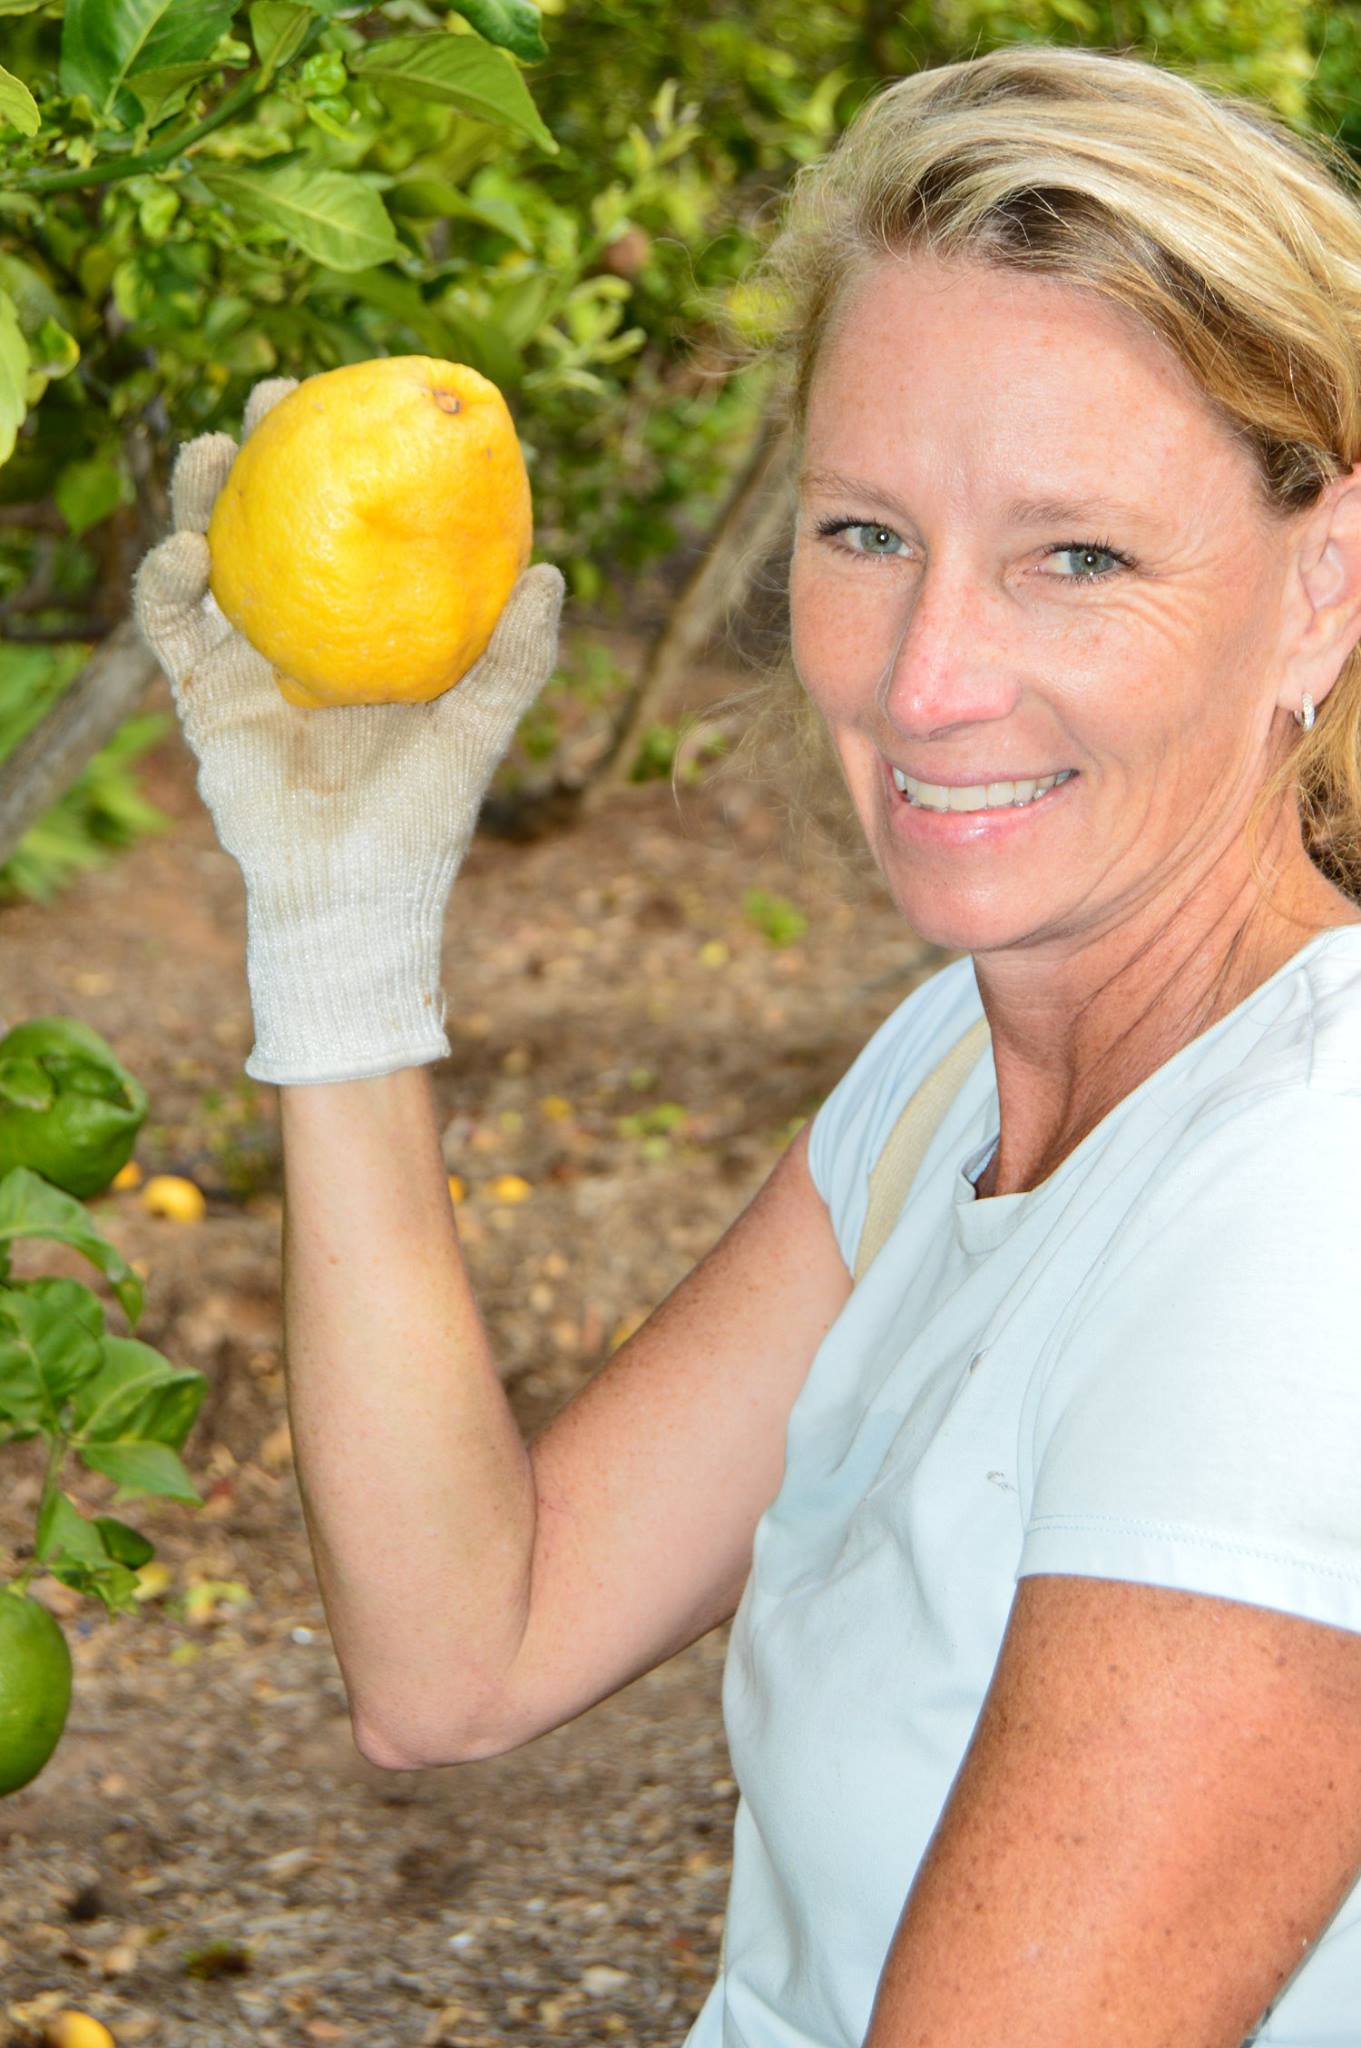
115,1404
195,194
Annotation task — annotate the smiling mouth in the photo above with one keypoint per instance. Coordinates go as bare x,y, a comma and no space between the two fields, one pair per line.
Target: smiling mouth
978,796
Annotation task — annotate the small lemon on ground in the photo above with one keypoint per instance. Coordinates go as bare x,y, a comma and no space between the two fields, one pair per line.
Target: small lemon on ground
169,1194
370,531
76,2030
35,1687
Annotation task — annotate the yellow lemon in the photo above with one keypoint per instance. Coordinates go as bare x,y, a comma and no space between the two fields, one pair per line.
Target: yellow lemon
153,1579
370,531
76,2030
169,1194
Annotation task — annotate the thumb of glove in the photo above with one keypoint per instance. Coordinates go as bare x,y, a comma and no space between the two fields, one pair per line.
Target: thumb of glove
485,708
167,601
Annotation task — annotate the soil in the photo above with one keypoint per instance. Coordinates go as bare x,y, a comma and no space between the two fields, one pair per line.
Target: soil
208,1860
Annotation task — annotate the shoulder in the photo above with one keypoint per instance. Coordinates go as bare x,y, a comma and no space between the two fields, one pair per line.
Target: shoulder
853,1123
1252,1155
1300,1029
1278,1088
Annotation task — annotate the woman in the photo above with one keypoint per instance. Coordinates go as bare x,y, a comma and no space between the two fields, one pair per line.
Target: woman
1044,1692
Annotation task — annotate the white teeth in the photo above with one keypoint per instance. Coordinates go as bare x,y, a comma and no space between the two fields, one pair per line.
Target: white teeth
940,796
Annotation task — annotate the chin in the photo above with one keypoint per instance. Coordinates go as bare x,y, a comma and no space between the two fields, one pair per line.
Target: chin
962,925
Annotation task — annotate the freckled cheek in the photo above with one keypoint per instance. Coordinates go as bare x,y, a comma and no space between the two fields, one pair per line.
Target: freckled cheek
1121,680
835,630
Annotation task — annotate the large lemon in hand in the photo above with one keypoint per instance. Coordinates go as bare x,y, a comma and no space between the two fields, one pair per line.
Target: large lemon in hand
370,530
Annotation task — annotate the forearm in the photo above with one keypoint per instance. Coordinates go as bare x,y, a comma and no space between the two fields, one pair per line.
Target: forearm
416,1486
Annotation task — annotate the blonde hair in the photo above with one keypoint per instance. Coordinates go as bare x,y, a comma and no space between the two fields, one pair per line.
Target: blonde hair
1237,241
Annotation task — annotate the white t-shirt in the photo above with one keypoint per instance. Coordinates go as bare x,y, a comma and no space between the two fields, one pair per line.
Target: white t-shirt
1147,1368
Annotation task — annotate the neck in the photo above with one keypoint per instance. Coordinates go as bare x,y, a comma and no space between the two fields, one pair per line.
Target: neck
1078,1024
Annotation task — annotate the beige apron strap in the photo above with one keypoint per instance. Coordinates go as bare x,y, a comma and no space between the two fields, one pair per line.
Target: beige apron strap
907,1142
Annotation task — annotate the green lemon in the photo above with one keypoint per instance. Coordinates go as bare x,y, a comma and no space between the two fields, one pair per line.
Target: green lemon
35,1687
68,1110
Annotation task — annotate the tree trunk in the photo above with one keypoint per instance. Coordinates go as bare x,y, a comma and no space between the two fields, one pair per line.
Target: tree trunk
45,764
735,549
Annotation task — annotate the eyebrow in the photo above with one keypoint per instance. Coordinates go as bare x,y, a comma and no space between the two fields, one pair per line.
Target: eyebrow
1020,512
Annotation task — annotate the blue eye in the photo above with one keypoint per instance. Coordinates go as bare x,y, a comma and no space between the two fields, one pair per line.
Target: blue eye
880,538
1094,560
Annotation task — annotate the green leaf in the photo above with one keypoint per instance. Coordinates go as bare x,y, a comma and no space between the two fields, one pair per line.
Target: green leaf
519,309
63,1530
138,1394
88,491
480,343
457,71
33,296
511,24
126,1546
54,351
31,1207
17,104
112,1583
437,199
141,1468
46,1356
71,1295
278,26
332,217
163,89
399,297
782,922
21,6
103,41
13,376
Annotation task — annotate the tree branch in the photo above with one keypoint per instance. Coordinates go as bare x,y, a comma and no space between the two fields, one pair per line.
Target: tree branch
734,551
252,87
56,636
45,763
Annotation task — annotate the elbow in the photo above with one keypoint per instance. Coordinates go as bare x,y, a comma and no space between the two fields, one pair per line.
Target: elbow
377,1748
395,1748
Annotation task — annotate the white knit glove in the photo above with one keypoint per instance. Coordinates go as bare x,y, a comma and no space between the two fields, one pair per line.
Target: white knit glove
348,823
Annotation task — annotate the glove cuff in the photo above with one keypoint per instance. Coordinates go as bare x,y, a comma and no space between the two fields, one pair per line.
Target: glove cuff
341,998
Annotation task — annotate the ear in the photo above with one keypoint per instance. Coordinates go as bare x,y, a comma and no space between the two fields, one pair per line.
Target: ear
1325,593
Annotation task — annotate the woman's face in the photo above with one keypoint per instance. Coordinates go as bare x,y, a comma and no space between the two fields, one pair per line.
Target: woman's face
1027,549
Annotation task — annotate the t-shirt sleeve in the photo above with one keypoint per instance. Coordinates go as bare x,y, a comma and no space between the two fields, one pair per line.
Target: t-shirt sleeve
1199,1425
852,1126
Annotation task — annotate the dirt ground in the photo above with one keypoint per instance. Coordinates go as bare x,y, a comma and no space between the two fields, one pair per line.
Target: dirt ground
208,1860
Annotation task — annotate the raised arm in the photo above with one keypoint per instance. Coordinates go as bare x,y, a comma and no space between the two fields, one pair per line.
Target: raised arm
477,1593
480,1593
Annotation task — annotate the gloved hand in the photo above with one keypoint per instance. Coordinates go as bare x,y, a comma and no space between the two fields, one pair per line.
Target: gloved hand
348,823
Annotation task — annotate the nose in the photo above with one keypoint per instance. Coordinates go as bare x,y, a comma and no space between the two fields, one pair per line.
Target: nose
952,662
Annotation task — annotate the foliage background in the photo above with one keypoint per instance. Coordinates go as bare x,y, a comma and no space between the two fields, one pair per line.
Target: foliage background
198,193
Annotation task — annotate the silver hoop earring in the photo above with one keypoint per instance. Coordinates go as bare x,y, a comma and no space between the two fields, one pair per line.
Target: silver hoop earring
1305,715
